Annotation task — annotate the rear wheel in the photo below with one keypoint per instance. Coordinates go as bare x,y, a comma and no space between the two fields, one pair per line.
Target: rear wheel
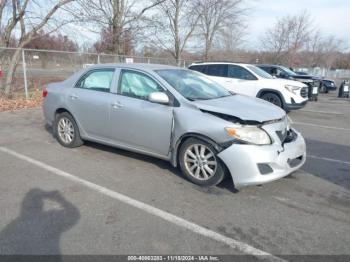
200,164
67,131
272,98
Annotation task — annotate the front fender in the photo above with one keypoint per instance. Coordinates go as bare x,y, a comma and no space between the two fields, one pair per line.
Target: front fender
195,123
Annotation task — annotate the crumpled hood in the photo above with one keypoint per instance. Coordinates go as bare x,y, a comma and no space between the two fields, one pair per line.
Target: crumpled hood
243,107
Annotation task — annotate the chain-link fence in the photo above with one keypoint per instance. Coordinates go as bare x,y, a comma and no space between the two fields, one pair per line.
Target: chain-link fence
37,68
329,73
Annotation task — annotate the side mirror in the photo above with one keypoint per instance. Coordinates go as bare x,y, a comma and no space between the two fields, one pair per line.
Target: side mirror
159,98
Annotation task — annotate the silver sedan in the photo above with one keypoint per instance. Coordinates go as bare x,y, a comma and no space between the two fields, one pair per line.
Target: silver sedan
176,115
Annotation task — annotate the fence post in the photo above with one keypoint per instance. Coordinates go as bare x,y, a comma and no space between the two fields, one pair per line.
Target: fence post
98,59
24,67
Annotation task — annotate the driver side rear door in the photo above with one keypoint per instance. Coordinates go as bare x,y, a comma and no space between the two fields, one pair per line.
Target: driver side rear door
89,101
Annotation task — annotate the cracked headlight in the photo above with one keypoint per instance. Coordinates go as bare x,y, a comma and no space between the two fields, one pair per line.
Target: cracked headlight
250,134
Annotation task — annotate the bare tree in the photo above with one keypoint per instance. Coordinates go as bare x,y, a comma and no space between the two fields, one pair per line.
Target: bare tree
229,39
288,36
218,16
117,18
175,25
325,51
27,17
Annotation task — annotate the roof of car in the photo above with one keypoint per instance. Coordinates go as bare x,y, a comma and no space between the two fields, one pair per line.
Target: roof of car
138,66
269,65
219,63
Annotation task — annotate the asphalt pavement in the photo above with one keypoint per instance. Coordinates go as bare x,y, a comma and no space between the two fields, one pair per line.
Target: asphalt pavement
101,200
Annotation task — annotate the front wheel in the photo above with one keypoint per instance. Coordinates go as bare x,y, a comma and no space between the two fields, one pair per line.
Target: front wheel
200,164
272,98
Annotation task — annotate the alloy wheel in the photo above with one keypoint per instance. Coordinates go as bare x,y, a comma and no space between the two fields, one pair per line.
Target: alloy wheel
65,130
272,100
200,162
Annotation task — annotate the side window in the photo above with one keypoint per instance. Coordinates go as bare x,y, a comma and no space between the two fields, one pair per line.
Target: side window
273,71
267,69
198,68
137,85
217,70
280,73
98,80
239,72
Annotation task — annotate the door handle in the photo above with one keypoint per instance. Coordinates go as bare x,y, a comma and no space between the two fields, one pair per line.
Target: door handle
74,97
117,105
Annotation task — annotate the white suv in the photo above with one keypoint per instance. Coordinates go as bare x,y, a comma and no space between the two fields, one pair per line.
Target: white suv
250,80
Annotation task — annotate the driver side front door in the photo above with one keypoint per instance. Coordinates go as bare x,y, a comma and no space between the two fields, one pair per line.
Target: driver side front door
137,123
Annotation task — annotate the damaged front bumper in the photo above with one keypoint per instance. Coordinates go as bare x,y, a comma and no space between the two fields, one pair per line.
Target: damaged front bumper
256,165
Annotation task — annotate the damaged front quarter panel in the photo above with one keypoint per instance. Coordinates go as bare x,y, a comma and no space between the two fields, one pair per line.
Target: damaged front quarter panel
204,125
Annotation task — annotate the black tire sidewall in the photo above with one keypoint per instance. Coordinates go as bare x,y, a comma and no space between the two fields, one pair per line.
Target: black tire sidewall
220,169
77,141
264,96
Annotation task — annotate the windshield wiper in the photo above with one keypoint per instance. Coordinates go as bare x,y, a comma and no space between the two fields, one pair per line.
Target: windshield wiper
197,98
209,98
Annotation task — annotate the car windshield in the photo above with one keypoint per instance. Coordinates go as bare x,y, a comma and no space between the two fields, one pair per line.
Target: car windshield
259,72
193,85
288,71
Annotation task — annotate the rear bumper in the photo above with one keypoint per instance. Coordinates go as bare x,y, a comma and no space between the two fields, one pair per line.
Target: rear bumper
245,162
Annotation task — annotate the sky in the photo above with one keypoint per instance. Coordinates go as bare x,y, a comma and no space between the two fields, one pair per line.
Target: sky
331,17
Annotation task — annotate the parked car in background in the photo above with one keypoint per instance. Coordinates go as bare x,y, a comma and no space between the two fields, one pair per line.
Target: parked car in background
177,115
328,85
313,83
250,80
301,73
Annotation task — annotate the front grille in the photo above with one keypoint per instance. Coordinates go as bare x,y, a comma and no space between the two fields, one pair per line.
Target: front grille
282,135
304,92
287,136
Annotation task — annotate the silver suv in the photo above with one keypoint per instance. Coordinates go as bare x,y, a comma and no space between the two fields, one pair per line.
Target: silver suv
178,115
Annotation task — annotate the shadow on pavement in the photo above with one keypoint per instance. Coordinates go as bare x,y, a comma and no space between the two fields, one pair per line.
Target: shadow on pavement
37,231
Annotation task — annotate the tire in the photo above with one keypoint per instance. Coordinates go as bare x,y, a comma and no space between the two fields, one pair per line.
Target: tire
66,131
203,172
272,98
